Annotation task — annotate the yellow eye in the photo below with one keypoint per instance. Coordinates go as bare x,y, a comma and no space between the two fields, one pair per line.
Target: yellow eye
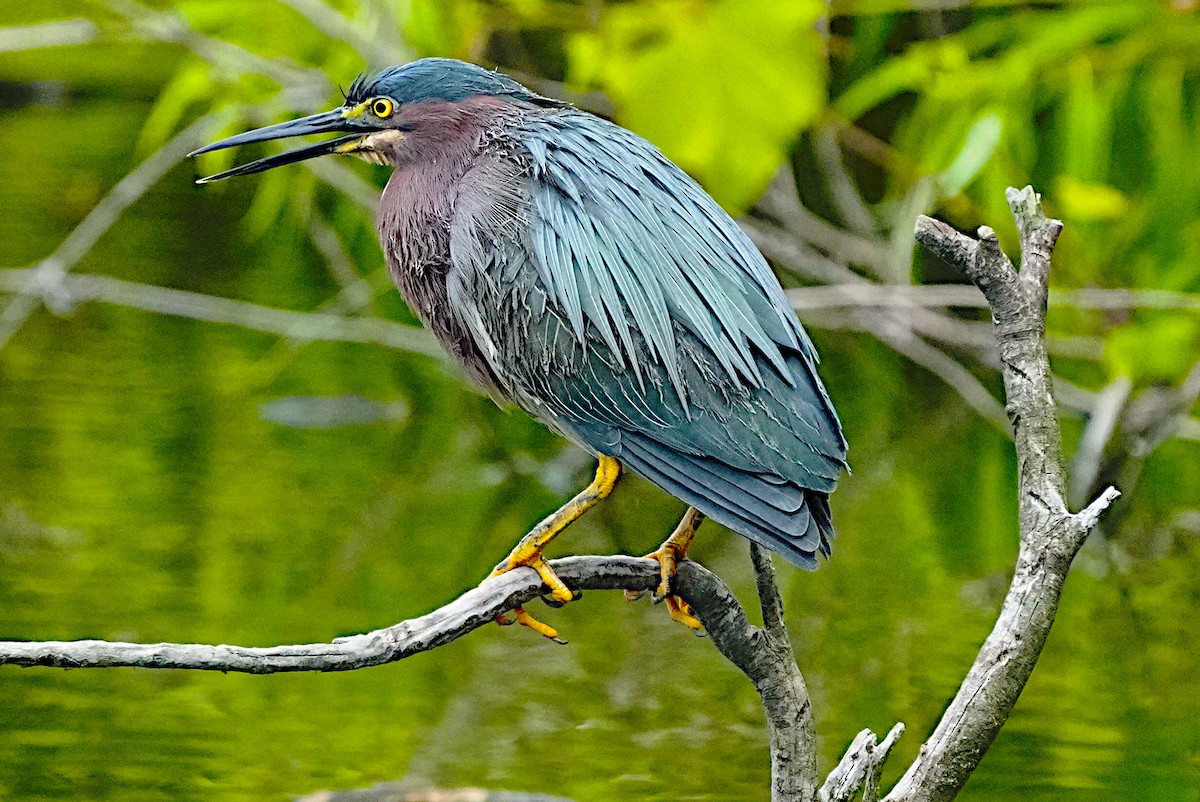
382,107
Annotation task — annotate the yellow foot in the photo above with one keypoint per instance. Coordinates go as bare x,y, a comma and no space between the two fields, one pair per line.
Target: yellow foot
560,594
681,611
526,620
520,556
529,551
668,556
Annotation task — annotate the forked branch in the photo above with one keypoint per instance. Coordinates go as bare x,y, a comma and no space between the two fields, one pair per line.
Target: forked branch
1050,534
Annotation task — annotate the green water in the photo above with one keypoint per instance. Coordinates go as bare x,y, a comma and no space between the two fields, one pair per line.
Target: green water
144,495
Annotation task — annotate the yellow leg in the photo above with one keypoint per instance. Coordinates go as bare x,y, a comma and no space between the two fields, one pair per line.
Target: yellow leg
528,551
673,549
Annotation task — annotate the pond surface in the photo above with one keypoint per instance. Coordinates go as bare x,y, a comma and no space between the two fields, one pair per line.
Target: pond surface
152,489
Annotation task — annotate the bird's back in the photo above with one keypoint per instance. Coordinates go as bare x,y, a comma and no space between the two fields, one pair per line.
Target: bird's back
613,299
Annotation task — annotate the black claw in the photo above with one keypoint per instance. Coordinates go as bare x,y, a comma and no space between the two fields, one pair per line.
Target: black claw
634,595
559,641
554,603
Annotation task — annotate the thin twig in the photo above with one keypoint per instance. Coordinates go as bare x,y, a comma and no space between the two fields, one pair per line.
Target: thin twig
306,326
303,86
44,281
1101,425
356,294
779,682
60,33
372,45
842,190
944,366
968,296
768,594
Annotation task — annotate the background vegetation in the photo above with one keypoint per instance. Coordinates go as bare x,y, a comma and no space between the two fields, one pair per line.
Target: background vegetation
289,478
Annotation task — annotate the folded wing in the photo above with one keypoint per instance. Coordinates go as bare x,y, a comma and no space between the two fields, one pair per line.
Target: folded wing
619,304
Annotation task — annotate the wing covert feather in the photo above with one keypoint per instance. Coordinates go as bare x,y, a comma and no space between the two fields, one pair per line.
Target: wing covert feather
618,304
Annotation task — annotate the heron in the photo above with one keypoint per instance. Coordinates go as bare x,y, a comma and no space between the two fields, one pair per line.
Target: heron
572,270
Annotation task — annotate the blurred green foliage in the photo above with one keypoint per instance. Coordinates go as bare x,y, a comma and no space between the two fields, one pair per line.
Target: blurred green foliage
163,478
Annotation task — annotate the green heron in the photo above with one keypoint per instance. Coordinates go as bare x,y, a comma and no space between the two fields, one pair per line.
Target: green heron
574,271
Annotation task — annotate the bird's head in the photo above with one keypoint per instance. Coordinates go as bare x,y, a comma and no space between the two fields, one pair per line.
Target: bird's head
390,116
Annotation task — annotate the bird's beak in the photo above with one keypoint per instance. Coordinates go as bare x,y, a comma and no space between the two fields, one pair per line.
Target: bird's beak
323,123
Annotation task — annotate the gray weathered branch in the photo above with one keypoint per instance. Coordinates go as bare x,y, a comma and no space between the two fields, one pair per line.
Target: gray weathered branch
1050,534
765,658
776,676
860,767
471,610
308,326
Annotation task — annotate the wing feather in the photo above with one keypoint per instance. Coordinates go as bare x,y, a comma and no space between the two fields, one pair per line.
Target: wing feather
619,304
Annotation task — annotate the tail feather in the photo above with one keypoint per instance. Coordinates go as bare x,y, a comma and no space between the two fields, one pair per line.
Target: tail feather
779,515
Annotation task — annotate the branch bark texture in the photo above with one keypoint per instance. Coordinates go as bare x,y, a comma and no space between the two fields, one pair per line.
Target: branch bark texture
473,609
1050,534
777,678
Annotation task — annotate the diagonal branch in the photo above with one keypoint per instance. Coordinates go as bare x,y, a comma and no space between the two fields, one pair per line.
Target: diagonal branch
473,609
766,661
44,282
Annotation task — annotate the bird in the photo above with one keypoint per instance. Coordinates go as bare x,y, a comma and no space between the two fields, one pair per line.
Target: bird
574,271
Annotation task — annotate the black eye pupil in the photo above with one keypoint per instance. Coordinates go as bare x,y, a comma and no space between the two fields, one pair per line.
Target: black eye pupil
382,108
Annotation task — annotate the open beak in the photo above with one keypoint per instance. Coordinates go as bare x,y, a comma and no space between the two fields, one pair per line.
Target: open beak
323,123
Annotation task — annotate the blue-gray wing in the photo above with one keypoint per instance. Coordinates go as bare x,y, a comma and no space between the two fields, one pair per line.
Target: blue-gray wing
619,304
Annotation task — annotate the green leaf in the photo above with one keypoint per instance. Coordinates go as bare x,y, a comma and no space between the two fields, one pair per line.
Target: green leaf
1154,348
980,144
1082,200
722,88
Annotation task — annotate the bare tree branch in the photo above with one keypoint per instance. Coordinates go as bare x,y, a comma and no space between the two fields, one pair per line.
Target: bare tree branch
1050,534
766,660
860,767
900,329
478,606
785,696
379,46
302,86
945,367
870,294
1102,423
60,33
310,326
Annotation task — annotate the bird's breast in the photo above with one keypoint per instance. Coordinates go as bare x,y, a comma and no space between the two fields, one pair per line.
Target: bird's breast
414,230
413,220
